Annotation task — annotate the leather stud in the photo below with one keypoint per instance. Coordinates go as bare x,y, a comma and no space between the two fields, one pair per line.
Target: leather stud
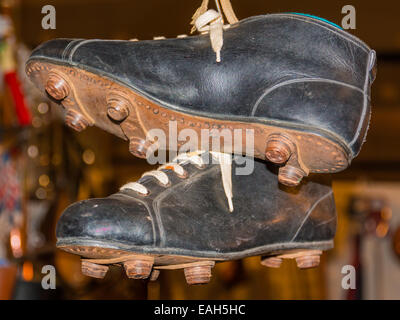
75,120
154,275
138,268
272,262
308,261
290,176
94,270
279,148
198,274
117,108
57,87
138,147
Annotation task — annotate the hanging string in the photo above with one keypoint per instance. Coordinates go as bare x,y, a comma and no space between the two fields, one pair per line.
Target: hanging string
212,22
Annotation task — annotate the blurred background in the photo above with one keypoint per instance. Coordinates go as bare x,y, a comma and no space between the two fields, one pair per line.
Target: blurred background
45,166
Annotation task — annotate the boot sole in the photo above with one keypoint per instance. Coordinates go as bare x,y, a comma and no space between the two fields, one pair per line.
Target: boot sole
139,264
90,99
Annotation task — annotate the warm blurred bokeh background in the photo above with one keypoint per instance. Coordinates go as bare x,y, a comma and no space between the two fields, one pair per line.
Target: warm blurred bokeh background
45,166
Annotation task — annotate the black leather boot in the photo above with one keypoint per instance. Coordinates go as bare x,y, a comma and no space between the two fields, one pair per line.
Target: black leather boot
190,214
301,83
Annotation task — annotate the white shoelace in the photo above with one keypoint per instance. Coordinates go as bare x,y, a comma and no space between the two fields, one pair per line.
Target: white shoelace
224,160
212,22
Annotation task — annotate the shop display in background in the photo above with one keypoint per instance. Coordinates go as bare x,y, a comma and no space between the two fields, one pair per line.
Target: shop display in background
15,116
11,220
9,69
11,215
371,216
396,242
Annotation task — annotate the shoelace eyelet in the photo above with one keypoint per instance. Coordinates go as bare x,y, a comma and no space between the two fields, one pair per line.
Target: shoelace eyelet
184,176
144,194
181,176
164,185
136,192
201,166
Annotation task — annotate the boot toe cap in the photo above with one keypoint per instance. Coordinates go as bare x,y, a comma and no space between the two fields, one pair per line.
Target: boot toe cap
56,49
106,219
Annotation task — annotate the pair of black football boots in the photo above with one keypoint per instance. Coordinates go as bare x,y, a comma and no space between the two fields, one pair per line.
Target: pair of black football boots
298,83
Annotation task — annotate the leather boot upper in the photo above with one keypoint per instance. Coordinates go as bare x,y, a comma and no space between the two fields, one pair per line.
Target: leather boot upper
190,215
289,69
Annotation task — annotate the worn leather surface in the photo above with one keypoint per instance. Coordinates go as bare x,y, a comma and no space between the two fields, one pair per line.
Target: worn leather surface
192,214
286,68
